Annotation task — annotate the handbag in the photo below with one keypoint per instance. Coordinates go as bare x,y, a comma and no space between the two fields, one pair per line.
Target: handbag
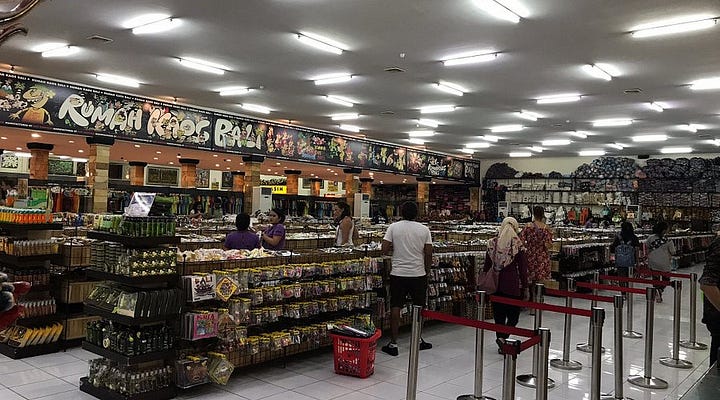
488,280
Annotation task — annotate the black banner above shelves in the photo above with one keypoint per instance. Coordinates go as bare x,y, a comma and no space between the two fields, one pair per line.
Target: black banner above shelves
41,104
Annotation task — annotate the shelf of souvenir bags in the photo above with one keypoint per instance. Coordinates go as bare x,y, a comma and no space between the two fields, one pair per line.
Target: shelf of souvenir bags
562,184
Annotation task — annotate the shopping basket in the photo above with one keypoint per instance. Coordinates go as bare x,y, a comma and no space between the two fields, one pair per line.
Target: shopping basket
355,356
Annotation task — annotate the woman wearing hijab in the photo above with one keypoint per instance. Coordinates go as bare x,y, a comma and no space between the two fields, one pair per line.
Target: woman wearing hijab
506,253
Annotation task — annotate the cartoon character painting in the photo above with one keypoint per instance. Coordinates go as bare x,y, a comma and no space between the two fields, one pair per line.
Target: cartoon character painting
37,96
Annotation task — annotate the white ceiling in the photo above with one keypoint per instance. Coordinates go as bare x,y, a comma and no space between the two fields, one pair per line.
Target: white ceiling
541,55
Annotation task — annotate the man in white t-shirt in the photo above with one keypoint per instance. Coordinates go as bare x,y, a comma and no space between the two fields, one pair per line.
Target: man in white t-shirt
411,246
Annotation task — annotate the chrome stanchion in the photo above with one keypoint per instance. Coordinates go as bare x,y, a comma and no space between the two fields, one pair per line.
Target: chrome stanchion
692,342
597,318
414,353
587,347
629,332
541,392
618,351
509,370
674,361
565,363
646,380
531,380
481,300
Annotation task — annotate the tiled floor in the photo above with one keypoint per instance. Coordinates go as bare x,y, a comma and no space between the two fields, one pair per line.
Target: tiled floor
446,371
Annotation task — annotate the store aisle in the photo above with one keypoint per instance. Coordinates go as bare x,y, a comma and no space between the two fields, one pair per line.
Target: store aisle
446,371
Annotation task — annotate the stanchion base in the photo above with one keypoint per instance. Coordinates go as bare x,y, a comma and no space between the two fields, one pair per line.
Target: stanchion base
675,363
472,397
632,335
529,380
612,397
566,365
648,383
587,348
693,345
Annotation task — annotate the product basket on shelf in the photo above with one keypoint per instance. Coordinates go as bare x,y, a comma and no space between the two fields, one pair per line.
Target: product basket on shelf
355,356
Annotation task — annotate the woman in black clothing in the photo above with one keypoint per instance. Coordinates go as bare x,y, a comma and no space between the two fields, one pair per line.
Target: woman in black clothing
626,249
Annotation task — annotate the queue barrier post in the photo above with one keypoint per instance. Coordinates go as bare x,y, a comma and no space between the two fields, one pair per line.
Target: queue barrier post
598,319
565,363
541,392
531,380
692,343
629,332
618,363
413,360
674,361
646,380
481,300
509,370
587,346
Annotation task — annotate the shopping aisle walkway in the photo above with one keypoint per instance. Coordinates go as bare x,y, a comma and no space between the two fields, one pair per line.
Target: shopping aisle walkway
446,371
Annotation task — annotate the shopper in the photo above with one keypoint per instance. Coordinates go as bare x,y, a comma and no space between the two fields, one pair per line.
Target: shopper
196,212
274,236
660,253
243,238
411,246
537,239
625,247
710,286
506,253
346,231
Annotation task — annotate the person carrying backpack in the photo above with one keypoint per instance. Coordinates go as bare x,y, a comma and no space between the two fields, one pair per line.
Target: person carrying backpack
625,247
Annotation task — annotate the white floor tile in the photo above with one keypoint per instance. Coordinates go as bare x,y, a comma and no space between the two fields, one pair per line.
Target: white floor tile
256,390
323,390
63,370
50,360
7,394
14,366
386,391
45,388
24,377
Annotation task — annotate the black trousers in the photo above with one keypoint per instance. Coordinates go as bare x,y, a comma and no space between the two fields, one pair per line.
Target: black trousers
505,314
714,347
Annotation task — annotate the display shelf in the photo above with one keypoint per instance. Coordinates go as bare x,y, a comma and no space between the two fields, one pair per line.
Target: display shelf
107,394
41,319
128,360
130,241
28,261
11,227
136,281
125,320
29,351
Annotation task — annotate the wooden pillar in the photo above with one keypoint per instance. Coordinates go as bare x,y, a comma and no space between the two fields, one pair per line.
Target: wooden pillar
423,194
351,185
366,186
253,166
39,157
137,173
97,167
315,184
293,176
474,198
188,172
238,184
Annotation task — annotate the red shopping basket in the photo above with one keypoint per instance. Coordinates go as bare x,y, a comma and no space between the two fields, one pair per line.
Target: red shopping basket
355,356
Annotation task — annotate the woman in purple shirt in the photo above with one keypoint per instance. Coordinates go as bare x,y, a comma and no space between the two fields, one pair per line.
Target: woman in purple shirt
274,236
243,238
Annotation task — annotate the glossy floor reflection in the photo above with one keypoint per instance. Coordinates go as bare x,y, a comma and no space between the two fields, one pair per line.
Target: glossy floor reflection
446,371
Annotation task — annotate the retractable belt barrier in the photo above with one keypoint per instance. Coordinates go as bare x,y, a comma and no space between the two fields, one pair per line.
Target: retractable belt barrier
646,380
576,295
542,306
635,280
600,286
653,272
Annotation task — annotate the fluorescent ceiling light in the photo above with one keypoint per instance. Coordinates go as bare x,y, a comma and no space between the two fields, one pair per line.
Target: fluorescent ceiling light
477,145
20,154
161,25
676,25
490,138
556,142
716,142
705,84
612,122
506,10
470,58
35,135
343,101
321,42
118,80
344,116
588,153
649,138
676,150
41,48
528,115
559,98
332,78
437,109
418,134
428,122
234,91
350,128
520,154
63,51
417,141
656,107
79,160
144,19
597,72
616,145
579,134
472,151
256,108
202,65
506,128
691,127
536,149
449,87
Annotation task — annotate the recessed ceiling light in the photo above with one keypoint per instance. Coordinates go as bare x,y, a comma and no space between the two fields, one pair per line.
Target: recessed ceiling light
81,151
234,91
344,116
589,153
556,142
330,79
616,145
350,128
536,149
35,135
71,141
490,138
3,137
321,42
158,152
161,24
691,127
427,122
472,57
506,128
705,84
676,25
437,109
118,80
449,87
203,65
343,101
502,9
559,98
137,145
418,134
477,145
612,122
256,108
277,163
215,155
579,134
18,148
228,160
596,71
79,160
171,163
155,158
528,115
520,154
63,51
468,150
416,141
649,138
655,106
41,48
676,150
